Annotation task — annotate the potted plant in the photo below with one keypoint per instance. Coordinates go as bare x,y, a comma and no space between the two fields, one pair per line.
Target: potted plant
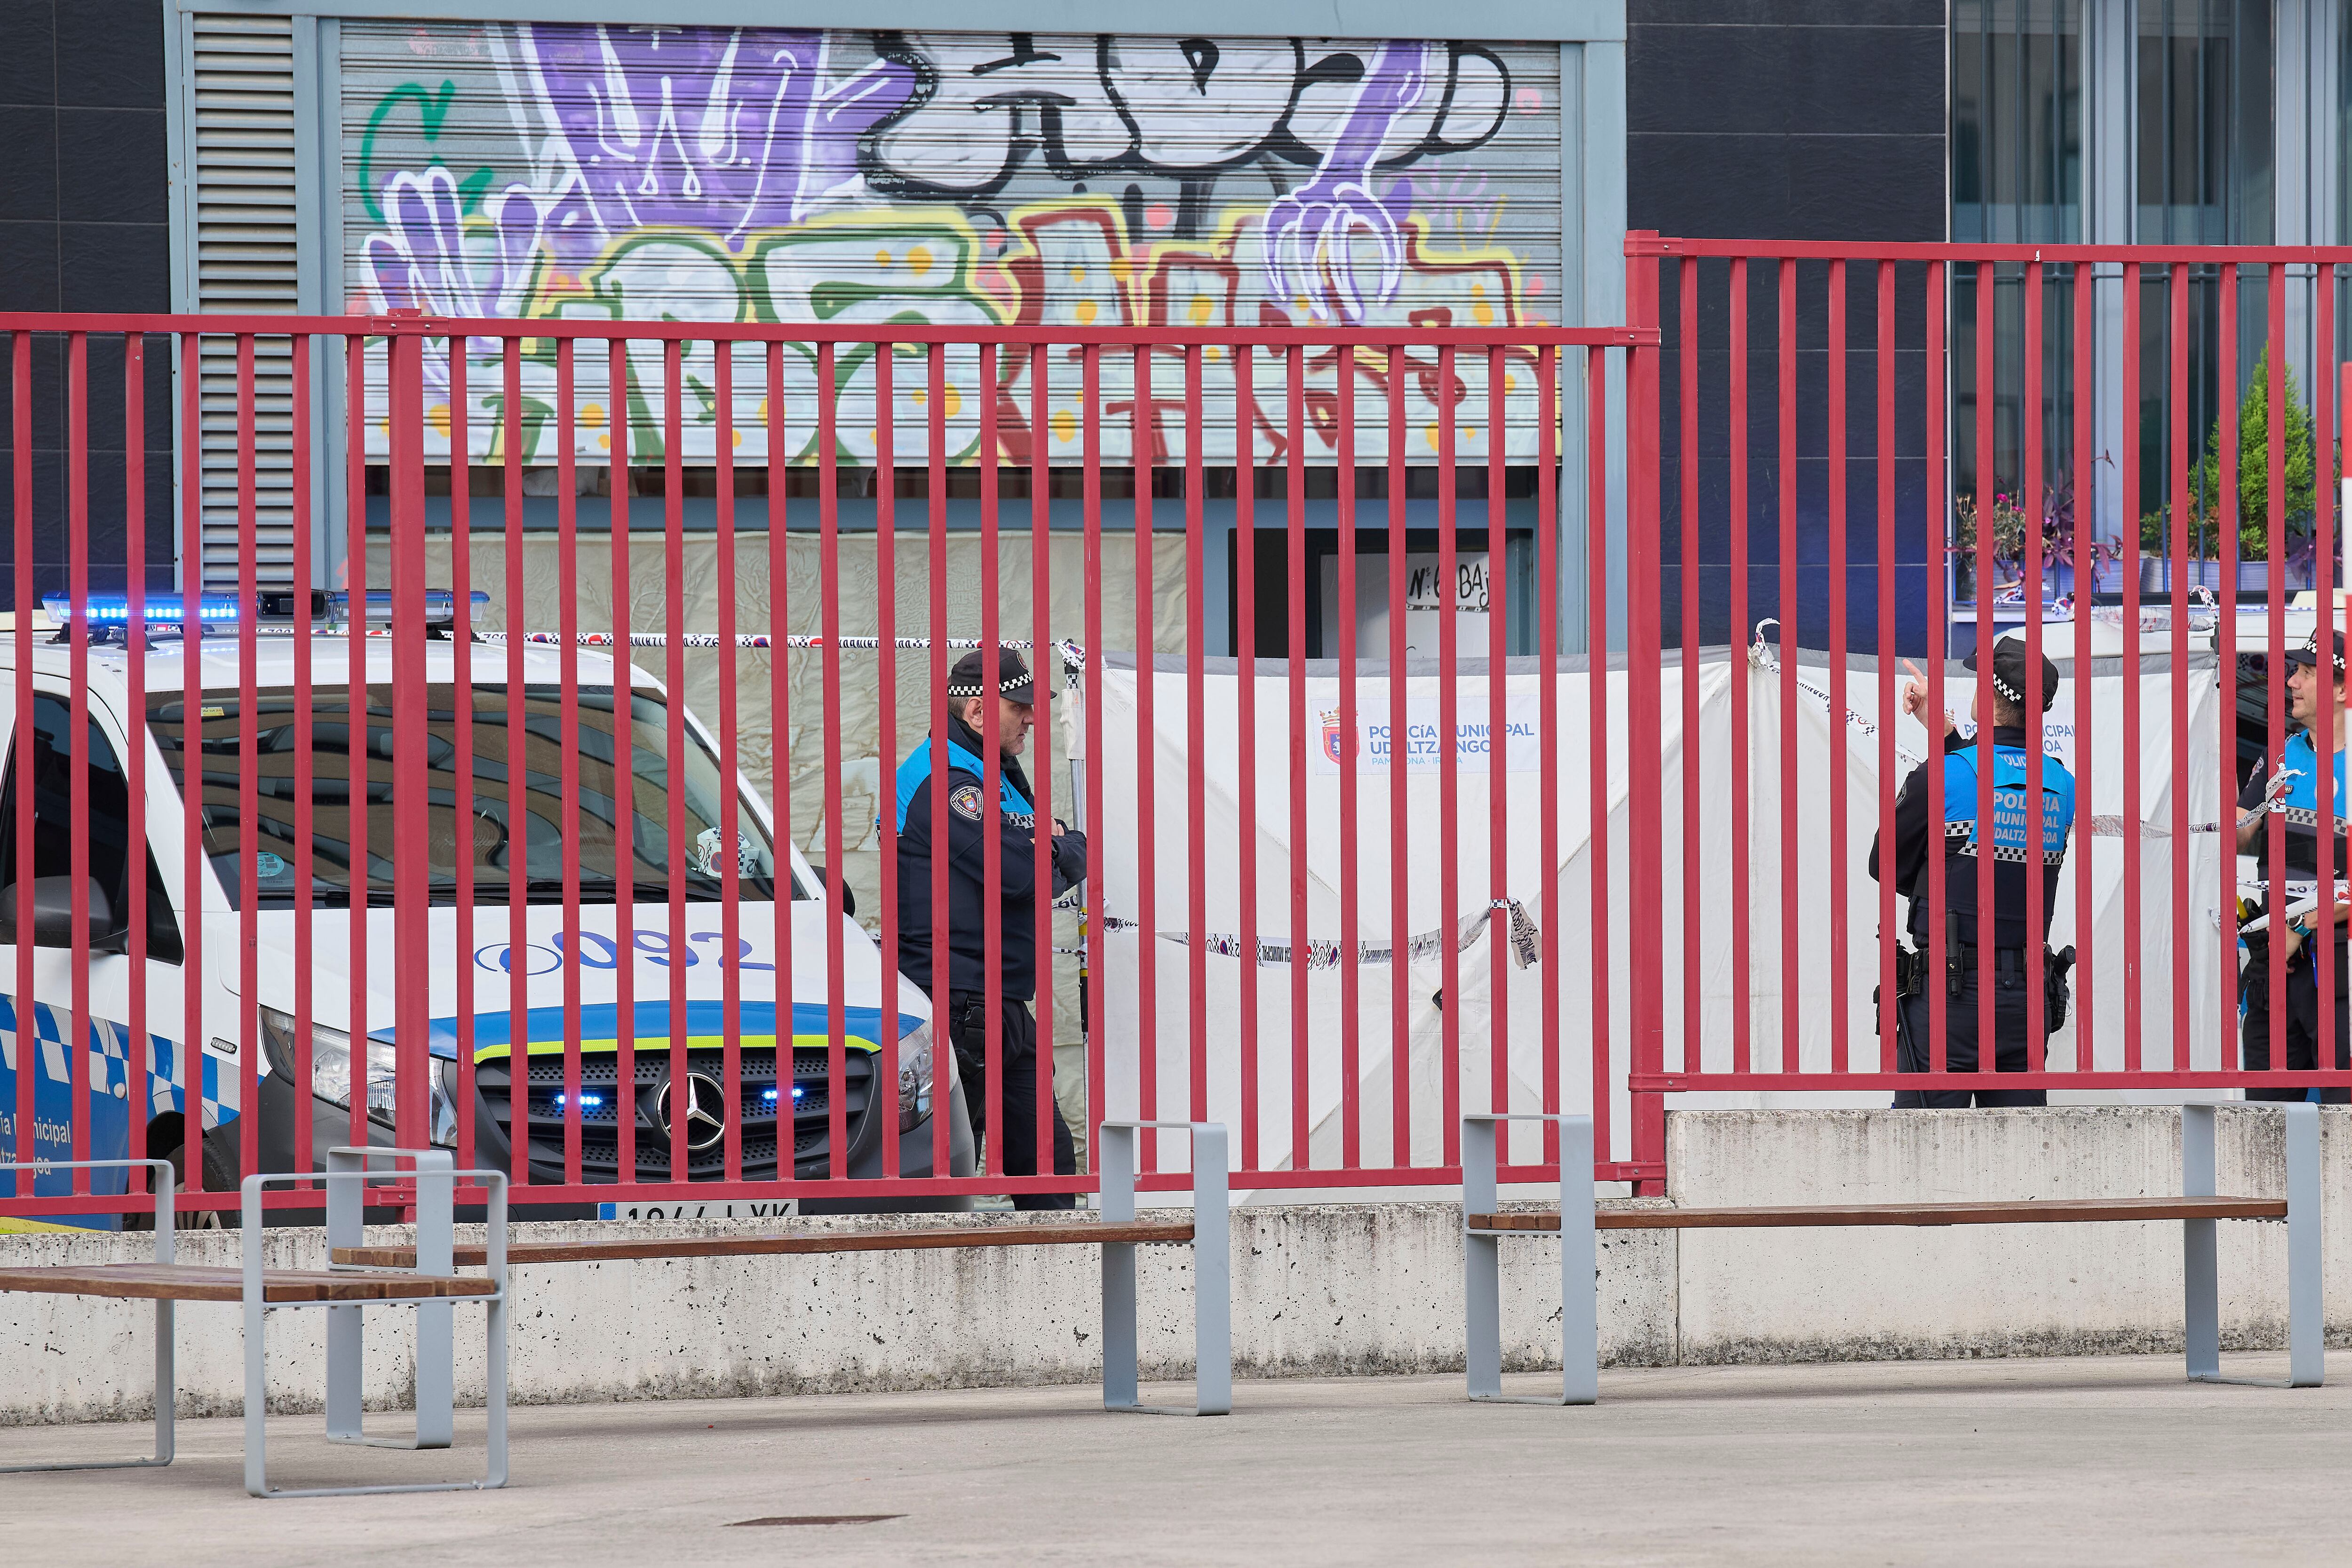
2007,542
2299,470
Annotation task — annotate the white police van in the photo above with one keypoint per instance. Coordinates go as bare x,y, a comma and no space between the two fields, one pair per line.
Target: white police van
779,1101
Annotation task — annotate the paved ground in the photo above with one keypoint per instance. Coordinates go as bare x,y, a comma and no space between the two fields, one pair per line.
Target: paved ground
2031,1461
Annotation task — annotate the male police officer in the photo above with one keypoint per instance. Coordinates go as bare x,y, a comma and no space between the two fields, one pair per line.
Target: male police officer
2019,956
972,820
2298,803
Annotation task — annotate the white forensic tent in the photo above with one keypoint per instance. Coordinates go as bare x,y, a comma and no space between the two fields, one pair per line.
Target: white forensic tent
1560,897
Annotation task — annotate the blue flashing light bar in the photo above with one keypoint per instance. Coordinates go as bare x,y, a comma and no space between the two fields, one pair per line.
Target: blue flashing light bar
770,1094
114,609
276,606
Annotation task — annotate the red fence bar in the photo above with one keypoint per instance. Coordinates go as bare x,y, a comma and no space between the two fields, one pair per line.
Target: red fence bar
1694,921
1942,491
2084,564
20,404
1784,348
2225,651
78,703
1045,661
1743,1003
143,1064
1838,351
2134,847
1399,750
2037,915
1351,1109
1295,657
1245,734
836,877
730,768
1547,607
1883,438
2182,521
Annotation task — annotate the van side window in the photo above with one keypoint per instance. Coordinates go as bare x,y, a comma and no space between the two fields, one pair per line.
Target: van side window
54,760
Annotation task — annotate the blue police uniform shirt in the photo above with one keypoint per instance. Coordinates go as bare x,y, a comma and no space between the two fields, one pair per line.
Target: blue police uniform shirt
916,771
2010,820
2300,803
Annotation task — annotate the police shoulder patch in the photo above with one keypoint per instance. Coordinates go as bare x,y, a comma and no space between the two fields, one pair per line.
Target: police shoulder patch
964,801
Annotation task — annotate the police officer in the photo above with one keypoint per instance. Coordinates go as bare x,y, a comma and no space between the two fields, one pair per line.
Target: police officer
972,819
2297,801
2021,958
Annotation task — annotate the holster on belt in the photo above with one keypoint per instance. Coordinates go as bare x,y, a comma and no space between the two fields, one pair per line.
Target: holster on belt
2056,991
1956,962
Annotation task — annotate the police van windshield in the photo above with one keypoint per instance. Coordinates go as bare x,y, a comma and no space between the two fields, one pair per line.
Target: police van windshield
505,837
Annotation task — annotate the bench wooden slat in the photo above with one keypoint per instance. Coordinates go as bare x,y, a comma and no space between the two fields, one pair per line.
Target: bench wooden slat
2022,1211
208,1282
1082,1233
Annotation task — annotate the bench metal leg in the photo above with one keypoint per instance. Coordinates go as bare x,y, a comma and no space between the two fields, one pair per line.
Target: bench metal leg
436,1358
1482,1288
2200,1271
2199,1261
1212,1334
2305,1334
167,1376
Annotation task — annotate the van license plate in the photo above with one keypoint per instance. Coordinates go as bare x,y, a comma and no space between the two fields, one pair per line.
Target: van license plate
770,1208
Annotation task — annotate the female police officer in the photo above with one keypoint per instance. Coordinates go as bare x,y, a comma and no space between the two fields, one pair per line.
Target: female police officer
2312,702
2021,957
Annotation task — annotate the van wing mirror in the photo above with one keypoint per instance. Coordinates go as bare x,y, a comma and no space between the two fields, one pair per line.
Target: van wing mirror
835,888
53,922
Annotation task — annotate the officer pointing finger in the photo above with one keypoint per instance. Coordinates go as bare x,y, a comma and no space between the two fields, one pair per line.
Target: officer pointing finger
2004,770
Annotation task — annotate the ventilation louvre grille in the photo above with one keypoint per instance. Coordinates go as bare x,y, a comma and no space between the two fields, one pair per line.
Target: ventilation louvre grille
245,264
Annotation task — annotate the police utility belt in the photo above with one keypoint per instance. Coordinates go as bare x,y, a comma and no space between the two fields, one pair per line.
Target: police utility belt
1911,968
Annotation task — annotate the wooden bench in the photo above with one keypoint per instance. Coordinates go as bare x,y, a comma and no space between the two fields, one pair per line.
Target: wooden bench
432,1286
1117,1232
1484,1225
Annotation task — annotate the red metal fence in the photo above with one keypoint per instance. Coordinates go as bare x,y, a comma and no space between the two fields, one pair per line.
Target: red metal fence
391,879
1826,412
1336,890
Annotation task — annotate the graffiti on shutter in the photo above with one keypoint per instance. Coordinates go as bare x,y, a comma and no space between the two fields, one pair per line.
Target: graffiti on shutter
606,172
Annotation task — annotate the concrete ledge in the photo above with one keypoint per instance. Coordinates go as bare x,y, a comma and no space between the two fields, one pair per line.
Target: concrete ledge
1320,1290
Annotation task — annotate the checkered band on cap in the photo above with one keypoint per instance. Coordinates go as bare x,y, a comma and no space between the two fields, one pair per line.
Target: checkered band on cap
2310,647
1009,683
2009,694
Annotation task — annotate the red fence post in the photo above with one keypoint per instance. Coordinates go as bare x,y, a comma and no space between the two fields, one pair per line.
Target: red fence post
1645,811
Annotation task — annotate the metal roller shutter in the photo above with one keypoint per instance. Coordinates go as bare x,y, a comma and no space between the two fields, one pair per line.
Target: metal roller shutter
245,263
726,173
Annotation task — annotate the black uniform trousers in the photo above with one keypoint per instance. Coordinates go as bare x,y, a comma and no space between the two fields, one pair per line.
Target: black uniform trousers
1017,1069
2302,1018
1960,1023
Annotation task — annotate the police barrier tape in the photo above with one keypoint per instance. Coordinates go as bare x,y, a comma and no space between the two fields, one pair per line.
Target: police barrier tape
1524,943
2097,824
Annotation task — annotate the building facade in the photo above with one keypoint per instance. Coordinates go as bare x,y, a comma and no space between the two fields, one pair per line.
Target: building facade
721,159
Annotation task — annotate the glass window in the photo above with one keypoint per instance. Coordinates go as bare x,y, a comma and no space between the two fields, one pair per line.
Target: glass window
2017,136
2205,132
106,830
507,837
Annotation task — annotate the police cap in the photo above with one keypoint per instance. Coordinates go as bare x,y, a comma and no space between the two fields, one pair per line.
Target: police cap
2309,652
1014,680
2013,673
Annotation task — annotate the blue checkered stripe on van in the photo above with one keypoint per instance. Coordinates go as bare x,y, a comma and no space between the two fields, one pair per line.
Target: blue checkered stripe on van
110,1070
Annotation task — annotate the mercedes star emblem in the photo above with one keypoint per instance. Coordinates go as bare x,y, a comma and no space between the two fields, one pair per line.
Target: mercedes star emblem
703,1121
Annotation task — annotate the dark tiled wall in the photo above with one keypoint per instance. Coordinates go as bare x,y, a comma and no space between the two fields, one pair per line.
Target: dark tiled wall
1794,120
84,186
